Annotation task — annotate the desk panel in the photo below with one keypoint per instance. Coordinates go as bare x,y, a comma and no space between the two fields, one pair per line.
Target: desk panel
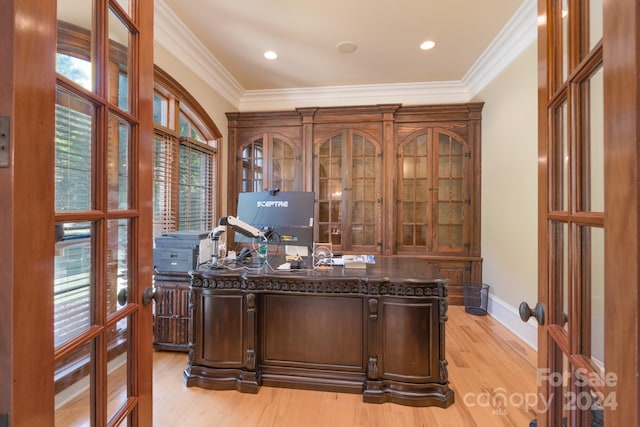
325,331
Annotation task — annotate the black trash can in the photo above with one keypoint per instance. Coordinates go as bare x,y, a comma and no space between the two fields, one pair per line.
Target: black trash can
476,296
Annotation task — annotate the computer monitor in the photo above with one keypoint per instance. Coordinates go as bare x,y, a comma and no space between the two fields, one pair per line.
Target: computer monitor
286,217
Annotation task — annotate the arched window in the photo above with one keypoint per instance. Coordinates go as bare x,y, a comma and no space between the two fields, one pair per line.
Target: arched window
186,160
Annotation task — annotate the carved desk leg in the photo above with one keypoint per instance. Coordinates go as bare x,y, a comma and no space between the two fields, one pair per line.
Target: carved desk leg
250,377
191,307
443,377
186,375
372,385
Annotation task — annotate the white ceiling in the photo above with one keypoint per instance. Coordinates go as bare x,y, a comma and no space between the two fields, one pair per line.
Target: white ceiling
305,33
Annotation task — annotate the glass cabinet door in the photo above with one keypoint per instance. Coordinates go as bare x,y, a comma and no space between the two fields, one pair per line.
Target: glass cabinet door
329,191
283,165
433,202
450,199
252,166
270,161
348,187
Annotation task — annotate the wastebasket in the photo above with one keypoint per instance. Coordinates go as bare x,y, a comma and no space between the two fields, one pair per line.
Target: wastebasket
476,296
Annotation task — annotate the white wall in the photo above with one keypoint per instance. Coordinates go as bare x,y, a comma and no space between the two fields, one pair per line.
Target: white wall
510,186
214,104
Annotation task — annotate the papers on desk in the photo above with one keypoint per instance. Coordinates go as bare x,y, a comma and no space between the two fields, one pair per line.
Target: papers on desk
285,266
357,261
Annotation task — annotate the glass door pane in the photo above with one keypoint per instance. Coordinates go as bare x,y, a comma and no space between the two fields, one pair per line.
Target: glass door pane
117,368
283,166
124,4
330,186
559,158
75,42
560,273
119,62
593,244
595,22
450,193
118,264
592,147
364,206
564,46
252,166
73,287
75,118
74,379
119,161
415,182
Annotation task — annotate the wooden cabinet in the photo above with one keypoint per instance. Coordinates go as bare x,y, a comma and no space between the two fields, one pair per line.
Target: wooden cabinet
171,317
388,179
459,271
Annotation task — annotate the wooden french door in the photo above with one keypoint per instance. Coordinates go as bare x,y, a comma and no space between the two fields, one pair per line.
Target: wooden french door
587,203
102,211
76,209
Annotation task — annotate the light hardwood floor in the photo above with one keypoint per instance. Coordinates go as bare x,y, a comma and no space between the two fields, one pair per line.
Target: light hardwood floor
492,372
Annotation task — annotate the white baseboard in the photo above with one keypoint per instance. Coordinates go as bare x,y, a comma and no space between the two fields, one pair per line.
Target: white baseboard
510,318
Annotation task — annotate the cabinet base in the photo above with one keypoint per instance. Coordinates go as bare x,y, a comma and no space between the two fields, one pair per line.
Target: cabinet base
408,394
373,391
222,379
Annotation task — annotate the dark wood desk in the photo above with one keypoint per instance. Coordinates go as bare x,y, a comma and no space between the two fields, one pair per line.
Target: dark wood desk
379,331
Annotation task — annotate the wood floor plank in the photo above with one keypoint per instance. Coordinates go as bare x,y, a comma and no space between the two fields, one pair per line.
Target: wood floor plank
492,372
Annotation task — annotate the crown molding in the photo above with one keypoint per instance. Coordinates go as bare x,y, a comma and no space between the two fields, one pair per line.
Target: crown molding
518,34
171,33
407,94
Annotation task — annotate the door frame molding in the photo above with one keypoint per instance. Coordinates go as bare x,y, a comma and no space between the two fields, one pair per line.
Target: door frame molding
622,229
27,97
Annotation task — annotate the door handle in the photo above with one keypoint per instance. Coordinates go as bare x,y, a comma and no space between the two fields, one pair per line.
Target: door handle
527,312
151,293
122,296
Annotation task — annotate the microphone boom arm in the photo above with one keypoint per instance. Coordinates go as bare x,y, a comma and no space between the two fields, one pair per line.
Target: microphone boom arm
242,227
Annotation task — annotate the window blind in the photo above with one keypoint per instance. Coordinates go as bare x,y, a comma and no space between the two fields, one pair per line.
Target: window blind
165,173
195,187
72,264
184,182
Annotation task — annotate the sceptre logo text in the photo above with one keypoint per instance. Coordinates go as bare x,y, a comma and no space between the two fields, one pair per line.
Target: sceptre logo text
273,204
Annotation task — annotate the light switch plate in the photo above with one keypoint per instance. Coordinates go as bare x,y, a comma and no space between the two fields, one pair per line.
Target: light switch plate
4,141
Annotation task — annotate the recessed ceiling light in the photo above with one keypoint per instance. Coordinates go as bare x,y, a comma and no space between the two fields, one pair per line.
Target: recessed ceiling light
427,45
346,47
270,54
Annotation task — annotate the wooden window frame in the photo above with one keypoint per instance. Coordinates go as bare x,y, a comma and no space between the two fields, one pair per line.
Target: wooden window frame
181,102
